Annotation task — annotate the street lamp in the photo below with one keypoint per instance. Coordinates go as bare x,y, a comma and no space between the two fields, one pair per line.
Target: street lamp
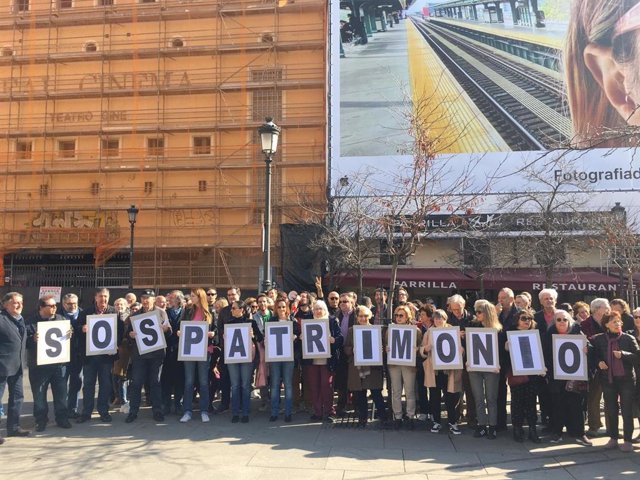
132,213
269,134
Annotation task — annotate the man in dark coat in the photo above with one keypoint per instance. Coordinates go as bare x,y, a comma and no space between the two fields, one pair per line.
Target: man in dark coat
13,338
43,376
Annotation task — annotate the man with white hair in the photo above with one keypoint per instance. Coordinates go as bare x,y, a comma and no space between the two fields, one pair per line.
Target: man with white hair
460,317
590,327
544,319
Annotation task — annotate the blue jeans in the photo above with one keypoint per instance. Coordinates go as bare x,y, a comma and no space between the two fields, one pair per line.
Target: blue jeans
74,377
99,369
240,375
145,369
190,369
40,378
281,372
16,397
2,385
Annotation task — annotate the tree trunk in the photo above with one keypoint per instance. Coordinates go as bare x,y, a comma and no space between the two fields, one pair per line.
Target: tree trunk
392,287
630,297
360,282
481,278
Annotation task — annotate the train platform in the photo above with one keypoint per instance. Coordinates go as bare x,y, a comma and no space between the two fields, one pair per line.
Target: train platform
551,36
374,96
379,82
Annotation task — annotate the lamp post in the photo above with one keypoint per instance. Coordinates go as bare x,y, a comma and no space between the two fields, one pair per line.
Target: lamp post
269,134
132,212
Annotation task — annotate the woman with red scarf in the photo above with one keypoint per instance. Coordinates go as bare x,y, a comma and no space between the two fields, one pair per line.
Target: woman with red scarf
615,354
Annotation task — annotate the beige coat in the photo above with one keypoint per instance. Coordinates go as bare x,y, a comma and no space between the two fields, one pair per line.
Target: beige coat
354,382
454,376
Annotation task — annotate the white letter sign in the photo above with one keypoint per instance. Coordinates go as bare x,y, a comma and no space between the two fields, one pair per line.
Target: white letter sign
402,345
237,343
53,342
192,346
446,348
569,357
149,334
525,351
315,338
278,342
482,350
367,345
102,332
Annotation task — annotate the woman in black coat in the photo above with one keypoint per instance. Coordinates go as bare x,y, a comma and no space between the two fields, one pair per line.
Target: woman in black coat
566,405
616,354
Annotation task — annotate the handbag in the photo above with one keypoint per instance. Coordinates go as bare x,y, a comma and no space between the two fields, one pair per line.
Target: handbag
515,380
577,386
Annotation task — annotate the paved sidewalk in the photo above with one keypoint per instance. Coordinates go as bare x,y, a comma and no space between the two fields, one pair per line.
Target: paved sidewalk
264,450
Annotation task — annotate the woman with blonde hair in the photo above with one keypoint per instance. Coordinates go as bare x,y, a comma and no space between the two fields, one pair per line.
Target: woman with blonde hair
447,382
484,385
197,311
603,88
404,376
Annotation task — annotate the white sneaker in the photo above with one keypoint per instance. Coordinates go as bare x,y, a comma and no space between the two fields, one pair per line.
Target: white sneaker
186,417
205,417
454,429
436,428
422,417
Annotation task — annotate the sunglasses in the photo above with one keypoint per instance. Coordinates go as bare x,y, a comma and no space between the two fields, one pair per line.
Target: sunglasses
344,301
333,298
526,319
561,319
211,294
51,306
478,311
636,316
399,315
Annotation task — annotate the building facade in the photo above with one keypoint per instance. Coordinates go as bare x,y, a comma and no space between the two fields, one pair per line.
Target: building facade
110,103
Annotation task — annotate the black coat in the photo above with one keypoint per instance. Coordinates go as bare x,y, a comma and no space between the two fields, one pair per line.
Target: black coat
630,354
509,319
13,345
547,350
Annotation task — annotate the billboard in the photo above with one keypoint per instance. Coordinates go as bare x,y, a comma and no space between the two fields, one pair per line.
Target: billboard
503,85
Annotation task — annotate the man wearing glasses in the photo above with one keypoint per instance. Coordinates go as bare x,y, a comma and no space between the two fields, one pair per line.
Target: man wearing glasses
41,376
212,296
71,311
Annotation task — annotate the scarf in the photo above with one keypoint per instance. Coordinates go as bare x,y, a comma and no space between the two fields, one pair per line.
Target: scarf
616,368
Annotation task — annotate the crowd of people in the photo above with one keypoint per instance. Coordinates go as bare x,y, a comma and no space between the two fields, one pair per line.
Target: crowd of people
330,388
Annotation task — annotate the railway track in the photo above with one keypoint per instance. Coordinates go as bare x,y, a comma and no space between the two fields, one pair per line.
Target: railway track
525,106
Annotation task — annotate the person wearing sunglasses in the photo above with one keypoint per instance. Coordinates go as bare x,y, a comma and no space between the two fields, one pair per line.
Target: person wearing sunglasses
524,390
281,373
484,385
262,314
615,354
601,65
41,376
403,376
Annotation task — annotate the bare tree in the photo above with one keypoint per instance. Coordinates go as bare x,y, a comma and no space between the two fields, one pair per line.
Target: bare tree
552,205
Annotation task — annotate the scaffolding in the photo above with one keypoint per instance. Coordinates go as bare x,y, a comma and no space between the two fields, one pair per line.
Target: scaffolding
106,104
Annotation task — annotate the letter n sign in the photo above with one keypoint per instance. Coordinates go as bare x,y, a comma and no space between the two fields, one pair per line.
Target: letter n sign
482,349
569,357
102,333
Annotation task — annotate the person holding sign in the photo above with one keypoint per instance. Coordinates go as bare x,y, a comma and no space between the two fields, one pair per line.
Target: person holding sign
198,311
447,382
523,391
404,376
318,372
361,379
616,353
146,366
241,374
13,339
635,332
97,368
282,372
484,385
41,376
566,403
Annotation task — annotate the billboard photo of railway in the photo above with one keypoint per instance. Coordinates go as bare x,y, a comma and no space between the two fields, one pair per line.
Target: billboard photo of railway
509,76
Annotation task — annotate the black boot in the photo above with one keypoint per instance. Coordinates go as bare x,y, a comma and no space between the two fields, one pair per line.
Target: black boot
533,434
518,433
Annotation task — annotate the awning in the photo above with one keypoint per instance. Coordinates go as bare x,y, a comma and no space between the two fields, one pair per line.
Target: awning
532,280
443,279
